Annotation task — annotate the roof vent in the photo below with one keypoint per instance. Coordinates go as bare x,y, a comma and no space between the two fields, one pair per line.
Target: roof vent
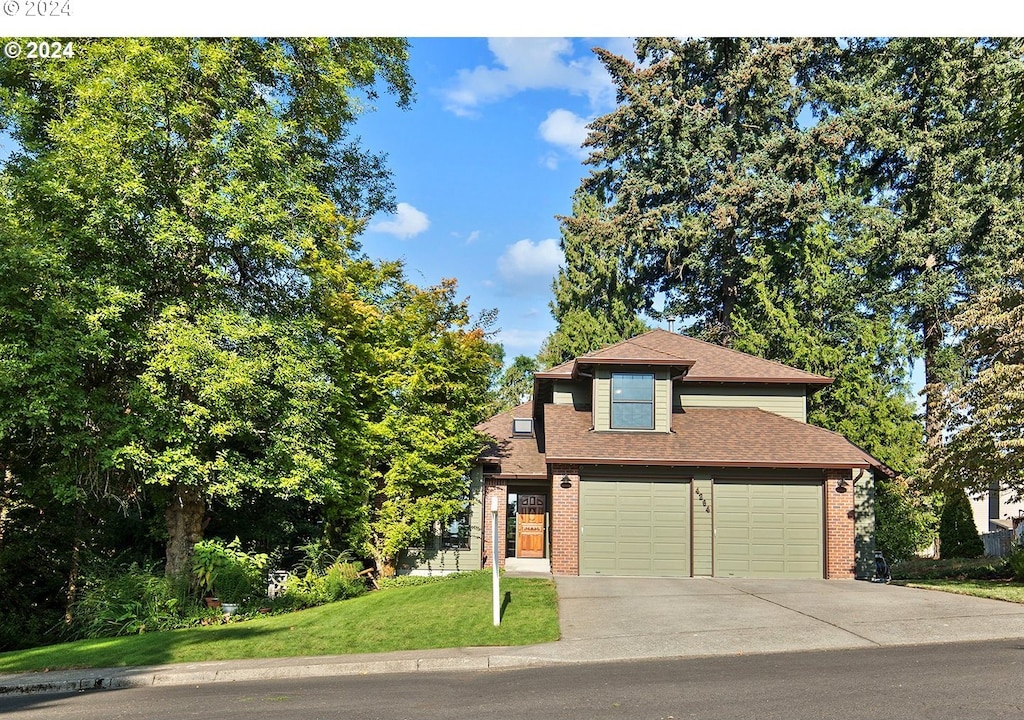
671,323
522,426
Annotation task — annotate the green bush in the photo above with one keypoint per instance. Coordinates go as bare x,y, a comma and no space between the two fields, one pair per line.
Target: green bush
228,572
1015,562
131,601
958,535
986,568
905,522
338,582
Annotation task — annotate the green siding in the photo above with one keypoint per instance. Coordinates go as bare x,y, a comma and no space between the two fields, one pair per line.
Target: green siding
786,400
634,527
864,525
768,529
703,546
662,397
568,392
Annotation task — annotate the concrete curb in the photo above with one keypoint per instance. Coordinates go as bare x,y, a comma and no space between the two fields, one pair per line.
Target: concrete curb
279,669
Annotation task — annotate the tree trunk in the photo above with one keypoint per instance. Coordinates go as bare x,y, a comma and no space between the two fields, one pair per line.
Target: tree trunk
76,566
934,387
184,518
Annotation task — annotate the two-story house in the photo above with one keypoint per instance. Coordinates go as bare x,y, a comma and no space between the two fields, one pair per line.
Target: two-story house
666,456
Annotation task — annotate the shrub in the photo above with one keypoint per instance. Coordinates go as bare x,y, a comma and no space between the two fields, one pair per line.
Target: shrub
958,536
1015,561
338,582
134,600
904,521
398,581
988,568
229,572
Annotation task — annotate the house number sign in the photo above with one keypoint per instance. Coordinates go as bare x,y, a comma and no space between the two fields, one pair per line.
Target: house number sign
703,502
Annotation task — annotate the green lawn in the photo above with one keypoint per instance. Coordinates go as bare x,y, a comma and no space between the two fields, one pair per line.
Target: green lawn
456,612
996,589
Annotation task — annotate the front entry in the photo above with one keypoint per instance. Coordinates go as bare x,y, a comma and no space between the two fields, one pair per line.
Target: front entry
531,512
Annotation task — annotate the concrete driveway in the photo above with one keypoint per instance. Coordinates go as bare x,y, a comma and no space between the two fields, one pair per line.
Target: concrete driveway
604,618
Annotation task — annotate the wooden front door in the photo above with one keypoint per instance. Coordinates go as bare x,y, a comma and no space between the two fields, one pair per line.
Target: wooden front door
530,525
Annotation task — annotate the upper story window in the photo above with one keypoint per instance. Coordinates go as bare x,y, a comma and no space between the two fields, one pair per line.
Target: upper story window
633,401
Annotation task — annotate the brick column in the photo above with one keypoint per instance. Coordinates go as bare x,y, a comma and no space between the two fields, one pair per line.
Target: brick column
840,530
565,520
493,487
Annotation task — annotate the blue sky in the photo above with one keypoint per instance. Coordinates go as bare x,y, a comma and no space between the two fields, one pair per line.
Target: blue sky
483,162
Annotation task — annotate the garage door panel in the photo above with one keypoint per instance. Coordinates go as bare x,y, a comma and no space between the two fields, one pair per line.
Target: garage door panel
630,527
768,529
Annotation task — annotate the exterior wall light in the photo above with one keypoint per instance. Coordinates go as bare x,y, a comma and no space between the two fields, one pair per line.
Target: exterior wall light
842,486
566,482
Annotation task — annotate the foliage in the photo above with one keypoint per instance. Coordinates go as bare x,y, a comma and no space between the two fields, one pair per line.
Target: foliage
925,120
432,369
904,520
597,294
958,535
228,572
993,589
1016,563
719,191
516,383
456,613
338,581
985,411
986,568
131,601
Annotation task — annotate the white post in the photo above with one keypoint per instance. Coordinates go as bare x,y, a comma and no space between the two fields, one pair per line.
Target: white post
494,558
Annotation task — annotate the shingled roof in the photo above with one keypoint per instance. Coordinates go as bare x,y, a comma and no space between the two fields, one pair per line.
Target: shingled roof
722,437
704,361
517,456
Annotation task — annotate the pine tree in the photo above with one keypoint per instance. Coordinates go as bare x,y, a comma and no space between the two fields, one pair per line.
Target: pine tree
597,293
928,123
958,536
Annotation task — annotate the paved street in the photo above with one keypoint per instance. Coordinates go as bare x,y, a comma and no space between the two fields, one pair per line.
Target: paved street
954,681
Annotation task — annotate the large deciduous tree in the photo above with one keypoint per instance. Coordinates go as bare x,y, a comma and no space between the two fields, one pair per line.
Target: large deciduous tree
985,411
162,208
431,375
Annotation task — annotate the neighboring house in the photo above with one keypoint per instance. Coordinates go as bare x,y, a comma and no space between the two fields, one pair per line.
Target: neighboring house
993,511
666,456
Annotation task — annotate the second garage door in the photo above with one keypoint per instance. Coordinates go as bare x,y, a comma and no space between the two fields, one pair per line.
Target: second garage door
768,529
632,527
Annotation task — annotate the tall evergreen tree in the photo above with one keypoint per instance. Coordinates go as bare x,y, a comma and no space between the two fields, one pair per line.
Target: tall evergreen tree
598,295
929,142
717,171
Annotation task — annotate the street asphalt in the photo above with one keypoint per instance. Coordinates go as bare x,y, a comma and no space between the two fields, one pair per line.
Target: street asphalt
614,619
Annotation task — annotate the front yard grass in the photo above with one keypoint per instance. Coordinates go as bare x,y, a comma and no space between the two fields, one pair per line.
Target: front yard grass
455,612
982,577
996,589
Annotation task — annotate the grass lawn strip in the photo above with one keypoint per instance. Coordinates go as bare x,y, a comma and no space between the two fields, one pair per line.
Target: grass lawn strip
452,613
995,589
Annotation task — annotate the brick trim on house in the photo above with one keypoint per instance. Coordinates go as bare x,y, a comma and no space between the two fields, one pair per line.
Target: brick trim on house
565,520
840,530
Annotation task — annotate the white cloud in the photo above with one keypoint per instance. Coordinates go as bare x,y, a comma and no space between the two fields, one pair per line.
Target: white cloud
521,342
531,64
473,237
526,265
566,130
406,223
